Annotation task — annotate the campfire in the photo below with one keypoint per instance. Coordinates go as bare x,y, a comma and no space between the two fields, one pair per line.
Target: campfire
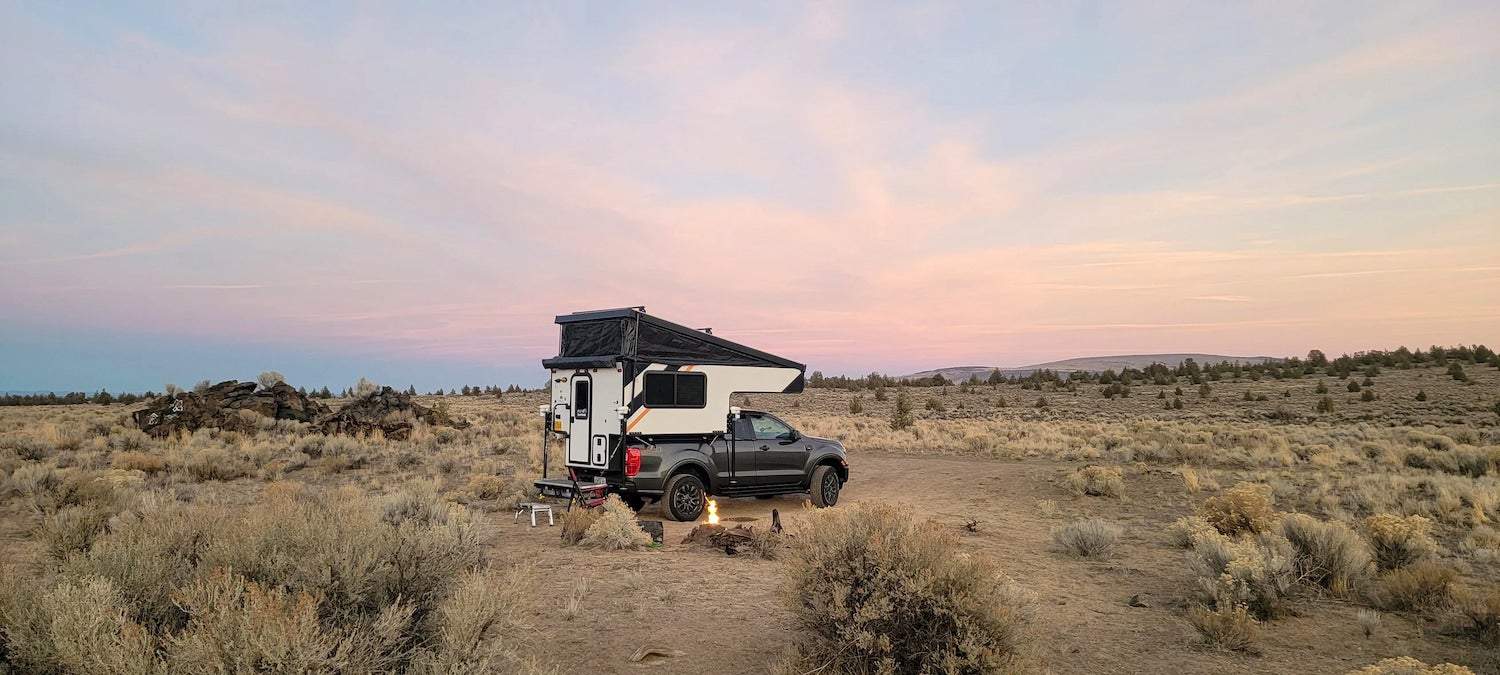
713,513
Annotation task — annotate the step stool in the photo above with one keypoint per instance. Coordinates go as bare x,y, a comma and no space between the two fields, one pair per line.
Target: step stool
533,508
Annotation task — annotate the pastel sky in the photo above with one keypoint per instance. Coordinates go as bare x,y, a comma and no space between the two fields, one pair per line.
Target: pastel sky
411,191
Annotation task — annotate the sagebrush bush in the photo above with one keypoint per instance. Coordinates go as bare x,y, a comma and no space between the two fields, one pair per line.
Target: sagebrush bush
1329,554
1416,587
1096,480
575,522
1087,537
1256,571
1406,665
616,528
1479,614
1230,626
139,461
215,464
1185,532
302,581
1246,507
1398,541
875,590
71,529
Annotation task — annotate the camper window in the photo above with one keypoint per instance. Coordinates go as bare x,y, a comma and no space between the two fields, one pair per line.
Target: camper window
581,399
676,390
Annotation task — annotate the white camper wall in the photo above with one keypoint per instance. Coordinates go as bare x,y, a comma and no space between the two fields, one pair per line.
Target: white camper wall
722,381
588,439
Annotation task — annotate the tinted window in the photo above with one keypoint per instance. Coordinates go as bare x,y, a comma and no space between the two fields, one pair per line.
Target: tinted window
676,390
692,390
770,429
581,399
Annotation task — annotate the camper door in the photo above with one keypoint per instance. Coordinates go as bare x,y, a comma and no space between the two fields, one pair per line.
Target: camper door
584,404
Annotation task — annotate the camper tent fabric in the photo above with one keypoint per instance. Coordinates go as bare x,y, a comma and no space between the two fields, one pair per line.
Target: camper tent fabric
635,336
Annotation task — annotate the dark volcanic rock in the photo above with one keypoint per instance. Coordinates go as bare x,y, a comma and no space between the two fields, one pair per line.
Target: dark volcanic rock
221,405
390,411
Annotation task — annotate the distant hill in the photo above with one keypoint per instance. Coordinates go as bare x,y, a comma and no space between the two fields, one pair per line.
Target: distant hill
1092,364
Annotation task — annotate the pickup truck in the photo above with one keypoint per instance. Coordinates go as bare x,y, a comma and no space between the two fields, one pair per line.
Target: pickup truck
763,457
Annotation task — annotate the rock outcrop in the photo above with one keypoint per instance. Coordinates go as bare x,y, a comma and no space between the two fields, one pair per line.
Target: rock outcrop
391,412
221,406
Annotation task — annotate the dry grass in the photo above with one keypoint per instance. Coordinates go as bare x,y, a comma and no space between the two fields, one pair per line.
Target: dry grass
85,496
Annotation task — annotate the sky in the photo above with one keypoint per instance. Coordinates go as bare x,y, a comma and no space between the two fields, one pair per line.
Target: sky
410,192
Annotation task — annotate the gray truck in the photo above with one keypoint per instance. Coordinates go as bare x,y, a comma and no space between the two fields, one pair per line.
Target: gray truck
763,457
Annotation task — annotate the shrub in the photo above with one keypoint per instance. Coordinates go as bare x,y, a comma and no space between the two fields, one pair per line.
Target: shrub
71,529
1087,537
1246,507
616,529
856,406
1257,572
1398,542
1421,395
1325,404
139,461
576,522
1367,395
1328,554
1042,402
873,589
1230,627
1186,532
269,379
505,491
215,464
1406,665
1322,387
1095,480
1416,587
1368,620
1353,387
1479,614
486,610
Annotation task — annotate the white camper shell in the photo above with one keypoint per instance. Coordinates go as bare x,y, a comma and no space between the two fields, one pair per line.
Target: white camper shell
622,374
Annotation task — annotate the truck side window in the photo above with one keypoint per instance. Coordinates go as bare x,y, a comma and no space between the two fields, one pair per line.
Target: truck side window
769,429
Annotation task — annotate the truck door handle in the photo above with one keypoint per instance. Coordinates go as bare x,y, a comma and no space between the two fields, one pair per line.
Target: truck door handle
765,447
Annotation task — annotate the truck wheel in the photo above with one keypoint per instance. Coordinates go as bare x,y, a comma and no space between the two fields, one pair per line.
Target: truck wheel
634,501
684,497
825,486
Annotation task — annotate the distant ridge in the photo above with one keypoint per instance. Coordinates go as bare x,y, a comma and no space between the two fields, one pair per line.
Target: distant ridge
1091,364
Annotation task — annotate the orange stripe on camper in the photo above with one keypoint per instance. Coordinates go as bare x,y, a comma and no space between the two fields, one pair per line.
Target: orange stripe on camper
644,413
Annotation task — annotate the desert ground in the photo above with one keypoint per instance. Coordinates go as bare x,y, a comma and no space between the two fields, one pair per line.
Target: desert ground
273,515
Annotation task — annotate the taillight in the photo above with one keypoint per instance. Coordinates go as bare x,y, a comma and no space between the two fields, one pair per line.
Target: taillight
632,461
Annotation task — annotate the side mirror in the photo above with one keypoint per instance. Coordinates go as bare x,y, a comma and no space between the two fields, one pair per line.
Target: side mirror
795,436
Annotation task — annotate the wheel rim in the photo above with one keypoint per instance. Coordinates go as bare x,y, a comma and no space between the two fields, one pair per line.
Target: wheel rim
687,499
830,488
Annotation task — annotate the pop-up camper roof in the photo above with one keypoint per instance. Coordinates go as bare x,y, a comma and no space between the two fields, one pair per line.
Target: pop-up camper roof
599,339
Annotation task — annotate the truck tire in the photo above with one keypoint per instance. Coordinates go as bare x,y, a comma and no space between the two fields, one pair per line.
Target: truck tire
825,486
684,497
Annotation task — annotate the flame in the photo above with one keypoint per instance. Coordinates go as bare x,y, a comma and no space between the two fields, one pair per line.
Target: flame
713,512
